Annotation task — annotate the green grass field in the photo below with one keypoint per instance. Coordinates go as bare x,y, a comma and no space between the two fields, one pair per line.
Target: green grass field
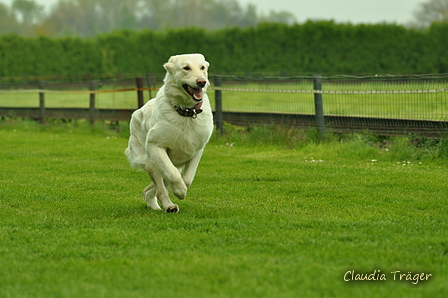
259,97
288,219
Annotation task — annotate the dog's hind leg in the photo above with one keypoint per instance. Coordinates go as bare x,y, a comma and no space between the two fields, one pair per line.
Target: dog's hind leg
149,195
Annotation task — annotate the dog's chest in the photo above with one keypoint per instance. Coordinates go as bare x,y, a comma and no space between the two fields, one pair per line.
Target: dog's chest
182,148
182,141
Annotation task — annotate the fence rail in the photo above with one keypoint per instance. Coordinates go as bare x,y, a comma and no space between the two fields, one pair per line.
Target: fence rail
386,105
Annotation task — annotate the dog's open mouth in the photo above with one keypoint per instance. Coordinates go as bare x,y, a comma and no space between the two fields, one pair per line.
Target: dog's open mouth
195,93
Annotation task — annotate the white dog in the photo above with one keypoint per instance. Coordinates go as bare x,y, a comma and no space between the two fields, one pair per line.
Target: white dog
169,133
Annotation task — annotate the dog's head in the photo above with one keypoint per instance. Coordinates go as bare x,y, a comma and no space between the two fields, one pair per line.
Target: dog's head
188,73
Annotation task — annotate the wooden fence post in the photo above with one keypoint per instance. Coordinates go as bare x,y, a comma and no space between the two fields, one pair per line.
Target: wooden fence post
42,102
92,103
218,105
318,105
148,83
139,82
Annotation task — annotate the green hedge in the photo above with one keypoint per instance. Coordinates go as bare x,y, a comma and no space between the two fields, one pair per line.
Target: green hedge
307,48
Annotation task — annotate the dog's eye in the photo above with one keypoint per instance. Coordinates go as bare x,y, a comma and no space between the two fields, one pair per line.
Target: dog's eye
203,68
187,68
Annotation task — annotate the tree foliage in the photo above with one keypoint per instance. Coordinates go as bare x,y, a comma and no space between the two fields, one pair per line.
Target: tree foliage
8,21
431,11
29,11
86,18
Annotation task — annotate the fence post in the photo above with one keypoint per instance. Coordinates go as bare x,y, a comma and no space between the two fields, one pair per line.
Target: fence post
139,82
42,101
318,105
148,83
218,105
92,103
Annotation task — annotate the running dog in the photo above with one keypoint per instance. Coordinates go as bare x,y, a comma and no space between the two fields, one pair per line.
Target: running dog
169,133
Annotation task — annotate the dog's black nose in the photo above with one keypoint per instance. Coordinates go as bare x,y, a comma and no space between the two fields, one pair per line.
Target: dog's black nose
201,82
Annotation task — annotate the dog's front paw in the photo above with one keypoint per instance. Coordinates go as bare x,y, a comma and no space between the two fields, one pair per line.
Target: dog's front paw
172,209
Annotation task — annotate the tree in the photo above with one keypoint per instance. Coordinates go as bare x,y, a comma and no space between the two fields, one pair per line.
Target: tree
90,17
29,11
431,11
86,18
279,17
8,21
155,14
29,14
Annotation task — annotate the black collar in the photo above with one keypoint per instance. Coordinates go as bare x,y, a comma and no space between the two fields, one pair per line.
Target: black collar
188,112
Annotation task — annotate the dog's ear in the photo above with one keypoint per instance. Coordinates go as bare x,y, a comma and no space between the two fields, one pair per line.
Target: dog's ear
169,66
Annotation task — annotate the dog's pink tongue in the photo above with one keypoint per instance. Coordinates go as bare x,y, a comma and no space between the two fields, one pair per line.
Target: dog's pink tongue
197,93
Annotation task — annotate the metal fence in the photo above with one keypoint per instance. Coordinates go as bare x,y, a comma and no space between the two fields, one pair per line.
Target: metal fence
383,104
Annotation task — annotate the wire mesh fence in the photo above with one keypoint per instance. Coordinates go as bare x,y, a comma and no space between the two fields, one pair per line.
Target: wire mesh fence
110,93
383,103
423,97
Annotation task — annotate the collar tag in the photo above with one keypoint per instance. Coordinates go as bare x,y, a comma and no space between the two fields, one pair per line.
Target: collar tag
188,112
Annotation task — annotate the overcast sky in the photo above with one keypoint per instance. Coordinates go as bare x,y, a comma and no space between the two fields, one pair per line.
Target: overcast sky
341,11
